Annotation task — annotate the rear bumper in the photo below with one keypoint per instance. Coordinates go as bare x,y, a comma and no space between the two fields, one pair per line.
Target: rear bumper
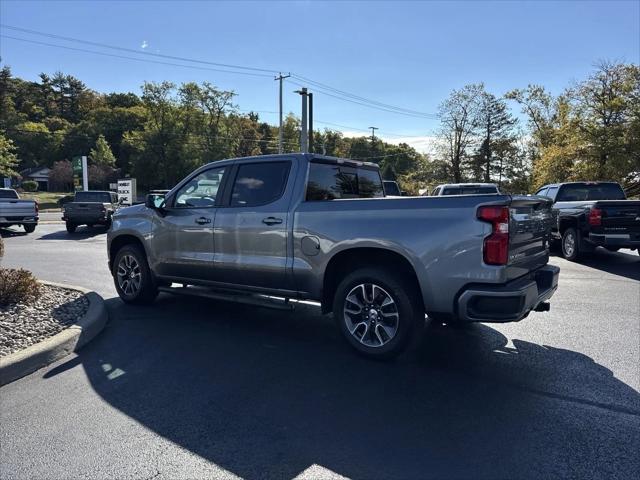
8,221
87,219
509,302
628,240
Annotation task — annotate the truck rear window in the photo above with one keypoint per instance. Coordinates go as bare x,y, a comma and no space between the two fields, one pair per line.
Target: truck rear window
8,194
333,181
590,191
93,197
469,190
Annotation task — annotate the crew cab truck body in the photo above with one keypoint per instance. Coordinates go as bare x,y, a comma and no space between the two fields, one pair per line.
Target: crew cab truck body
14,211
90,208
303,226
592,214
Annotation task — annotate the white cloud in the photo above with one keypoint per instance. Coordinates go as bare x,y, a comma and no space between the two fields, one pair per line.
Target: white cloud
144,45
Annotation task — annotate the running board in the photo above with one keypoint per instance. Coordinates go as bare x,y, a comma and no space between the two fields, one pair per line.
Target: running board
230,296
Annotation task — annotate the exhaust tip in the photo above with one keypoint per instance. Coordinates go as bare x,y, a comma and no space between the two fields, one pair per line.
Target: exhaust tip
543,307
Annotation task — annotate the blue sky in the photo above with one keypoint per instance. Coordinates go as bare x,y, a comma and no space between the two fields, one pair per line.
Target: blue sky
409,54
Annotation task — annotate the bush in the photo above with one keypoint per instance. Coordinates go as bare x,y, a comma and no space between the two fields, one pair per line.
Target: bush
17,286
29,186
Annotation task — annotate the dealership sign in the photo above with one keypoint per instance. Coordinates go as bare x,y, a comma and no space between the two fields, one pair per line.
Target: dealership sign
127,193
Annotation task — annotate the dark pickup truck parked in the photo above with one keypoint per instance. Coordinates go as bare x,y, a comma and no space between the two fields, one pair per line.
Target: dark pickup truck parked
300,226
592,214
90,208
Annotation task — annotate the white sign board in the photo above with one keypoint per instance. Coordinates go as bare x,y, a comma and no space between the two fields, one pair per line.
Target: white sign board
127,191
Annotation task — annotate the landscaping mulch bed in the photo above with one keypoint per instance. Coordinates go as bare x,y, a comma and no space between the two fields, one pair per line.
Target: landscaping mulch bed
22,325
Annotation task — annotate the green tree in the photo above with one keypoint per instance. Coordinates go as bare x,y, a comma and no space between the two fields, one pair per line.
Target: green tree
8,157
101,154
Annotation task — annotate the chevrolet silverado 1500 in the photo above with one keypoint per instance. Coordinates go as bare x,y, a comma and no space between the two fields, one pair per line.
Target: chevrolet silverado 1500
592,214
302,226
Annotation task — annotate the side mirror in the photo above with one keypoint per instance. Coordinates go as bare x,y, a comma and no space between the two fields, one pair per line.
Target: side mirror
154,201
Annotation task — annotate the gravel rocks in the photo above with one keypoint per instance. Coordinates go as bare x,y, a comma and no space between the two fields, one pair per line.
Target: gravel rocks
22,325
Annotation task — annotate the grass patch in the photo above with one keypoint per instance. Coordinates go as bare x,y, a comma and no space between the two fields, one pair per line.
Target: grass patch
46,200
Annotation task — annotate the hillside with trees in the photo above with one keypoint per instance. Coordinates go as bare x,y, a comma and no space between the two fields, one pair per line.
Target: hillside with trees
590,131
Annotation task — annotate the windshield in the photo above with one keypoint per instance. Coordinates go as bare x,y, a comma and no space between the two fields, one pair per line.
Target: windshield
93,197
8,194
581,192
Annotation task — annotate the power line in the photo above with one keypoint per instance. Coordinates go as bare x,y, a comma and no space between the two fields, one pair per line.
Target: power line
138,52
321,87
133,58
364,99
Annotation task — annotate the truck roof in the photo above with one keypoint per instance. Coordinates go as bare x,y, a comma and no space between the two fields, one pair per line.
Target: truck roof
453,185
308,156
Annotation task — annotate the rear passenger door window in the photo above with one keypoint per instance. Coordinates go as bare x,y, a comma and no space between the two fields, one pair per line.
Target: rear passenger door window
259,183
329,181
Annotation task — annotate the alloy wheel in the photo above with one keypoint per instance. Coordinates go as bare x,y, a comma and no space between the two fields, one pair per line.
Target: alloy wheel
371,315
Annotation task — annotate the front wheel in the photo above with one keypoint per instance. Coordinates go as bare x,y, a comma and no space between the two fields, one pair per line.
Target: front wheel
378,312
71,227
29,228
570,244
132,276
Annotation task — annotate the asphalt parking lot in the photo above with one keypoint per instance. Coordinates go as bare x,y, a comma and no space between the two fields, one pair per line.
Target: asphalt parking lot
193,388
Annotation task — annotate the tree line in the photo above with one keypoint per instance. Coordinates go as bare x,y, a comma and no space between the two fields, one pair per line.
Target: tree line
590,131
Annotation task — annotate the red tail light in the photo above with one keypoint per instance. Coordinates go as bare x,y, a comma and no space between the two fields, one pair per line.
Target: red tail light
595,217
496,245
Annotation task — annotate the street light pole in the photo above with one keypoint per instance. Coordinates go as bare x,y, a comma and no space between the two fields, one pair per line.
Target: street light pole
304,147
280,133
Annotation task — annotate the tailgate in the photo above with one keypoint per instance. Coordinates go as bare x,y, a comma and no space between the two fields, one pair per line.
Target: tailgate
84,208
618,217
529,233
17,208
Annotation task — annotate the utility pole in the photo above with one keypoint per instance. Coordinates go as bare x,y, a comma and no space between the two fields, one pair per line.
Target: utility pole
310,95
280,77
373,134
304,148
373,139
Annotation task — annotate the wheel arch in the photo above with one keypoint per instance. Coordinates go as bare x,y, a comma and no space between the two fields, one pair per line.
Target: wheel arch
120,241
350,259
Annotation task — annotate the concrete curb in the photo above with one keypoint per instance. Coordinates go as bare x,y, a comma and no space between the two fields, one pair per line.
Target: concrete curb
24,362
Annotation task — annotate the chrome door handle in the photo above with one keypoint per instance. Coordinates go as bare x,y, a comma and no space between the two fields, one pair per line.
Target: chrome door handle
203,221
271,220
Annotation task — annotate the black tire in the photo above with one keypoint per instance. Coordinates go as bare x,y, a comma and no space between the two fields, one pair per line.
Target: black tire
29,228
570,244
71,227
147,289
408,323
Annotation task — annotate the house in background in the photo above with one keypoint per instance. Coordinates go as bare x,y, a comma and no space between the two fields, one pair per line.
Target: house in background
37,174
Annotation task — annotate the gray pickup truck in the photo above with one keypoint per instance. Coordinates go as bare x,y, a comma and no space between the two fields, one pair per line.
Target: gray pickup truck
302,226
14,211
90,208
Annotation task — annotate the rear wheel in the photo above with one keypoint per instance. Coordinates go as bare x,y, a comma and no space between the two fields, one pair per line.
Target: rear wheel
570,244
132,276
71,227
29,228
377,312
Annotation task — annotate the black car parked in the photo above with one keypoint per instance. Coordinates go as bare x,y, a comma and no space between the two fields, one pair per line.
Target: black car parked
592,214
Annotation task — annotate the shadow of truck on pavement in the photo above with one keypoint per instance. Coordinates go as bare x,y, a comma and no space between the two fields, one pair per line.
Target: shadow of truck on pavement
267,394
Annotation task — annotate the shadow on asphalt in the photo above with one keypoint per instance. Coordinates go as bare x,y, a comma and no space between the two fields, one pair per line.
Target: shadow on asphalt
267,394
80,234
10,232
616,263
